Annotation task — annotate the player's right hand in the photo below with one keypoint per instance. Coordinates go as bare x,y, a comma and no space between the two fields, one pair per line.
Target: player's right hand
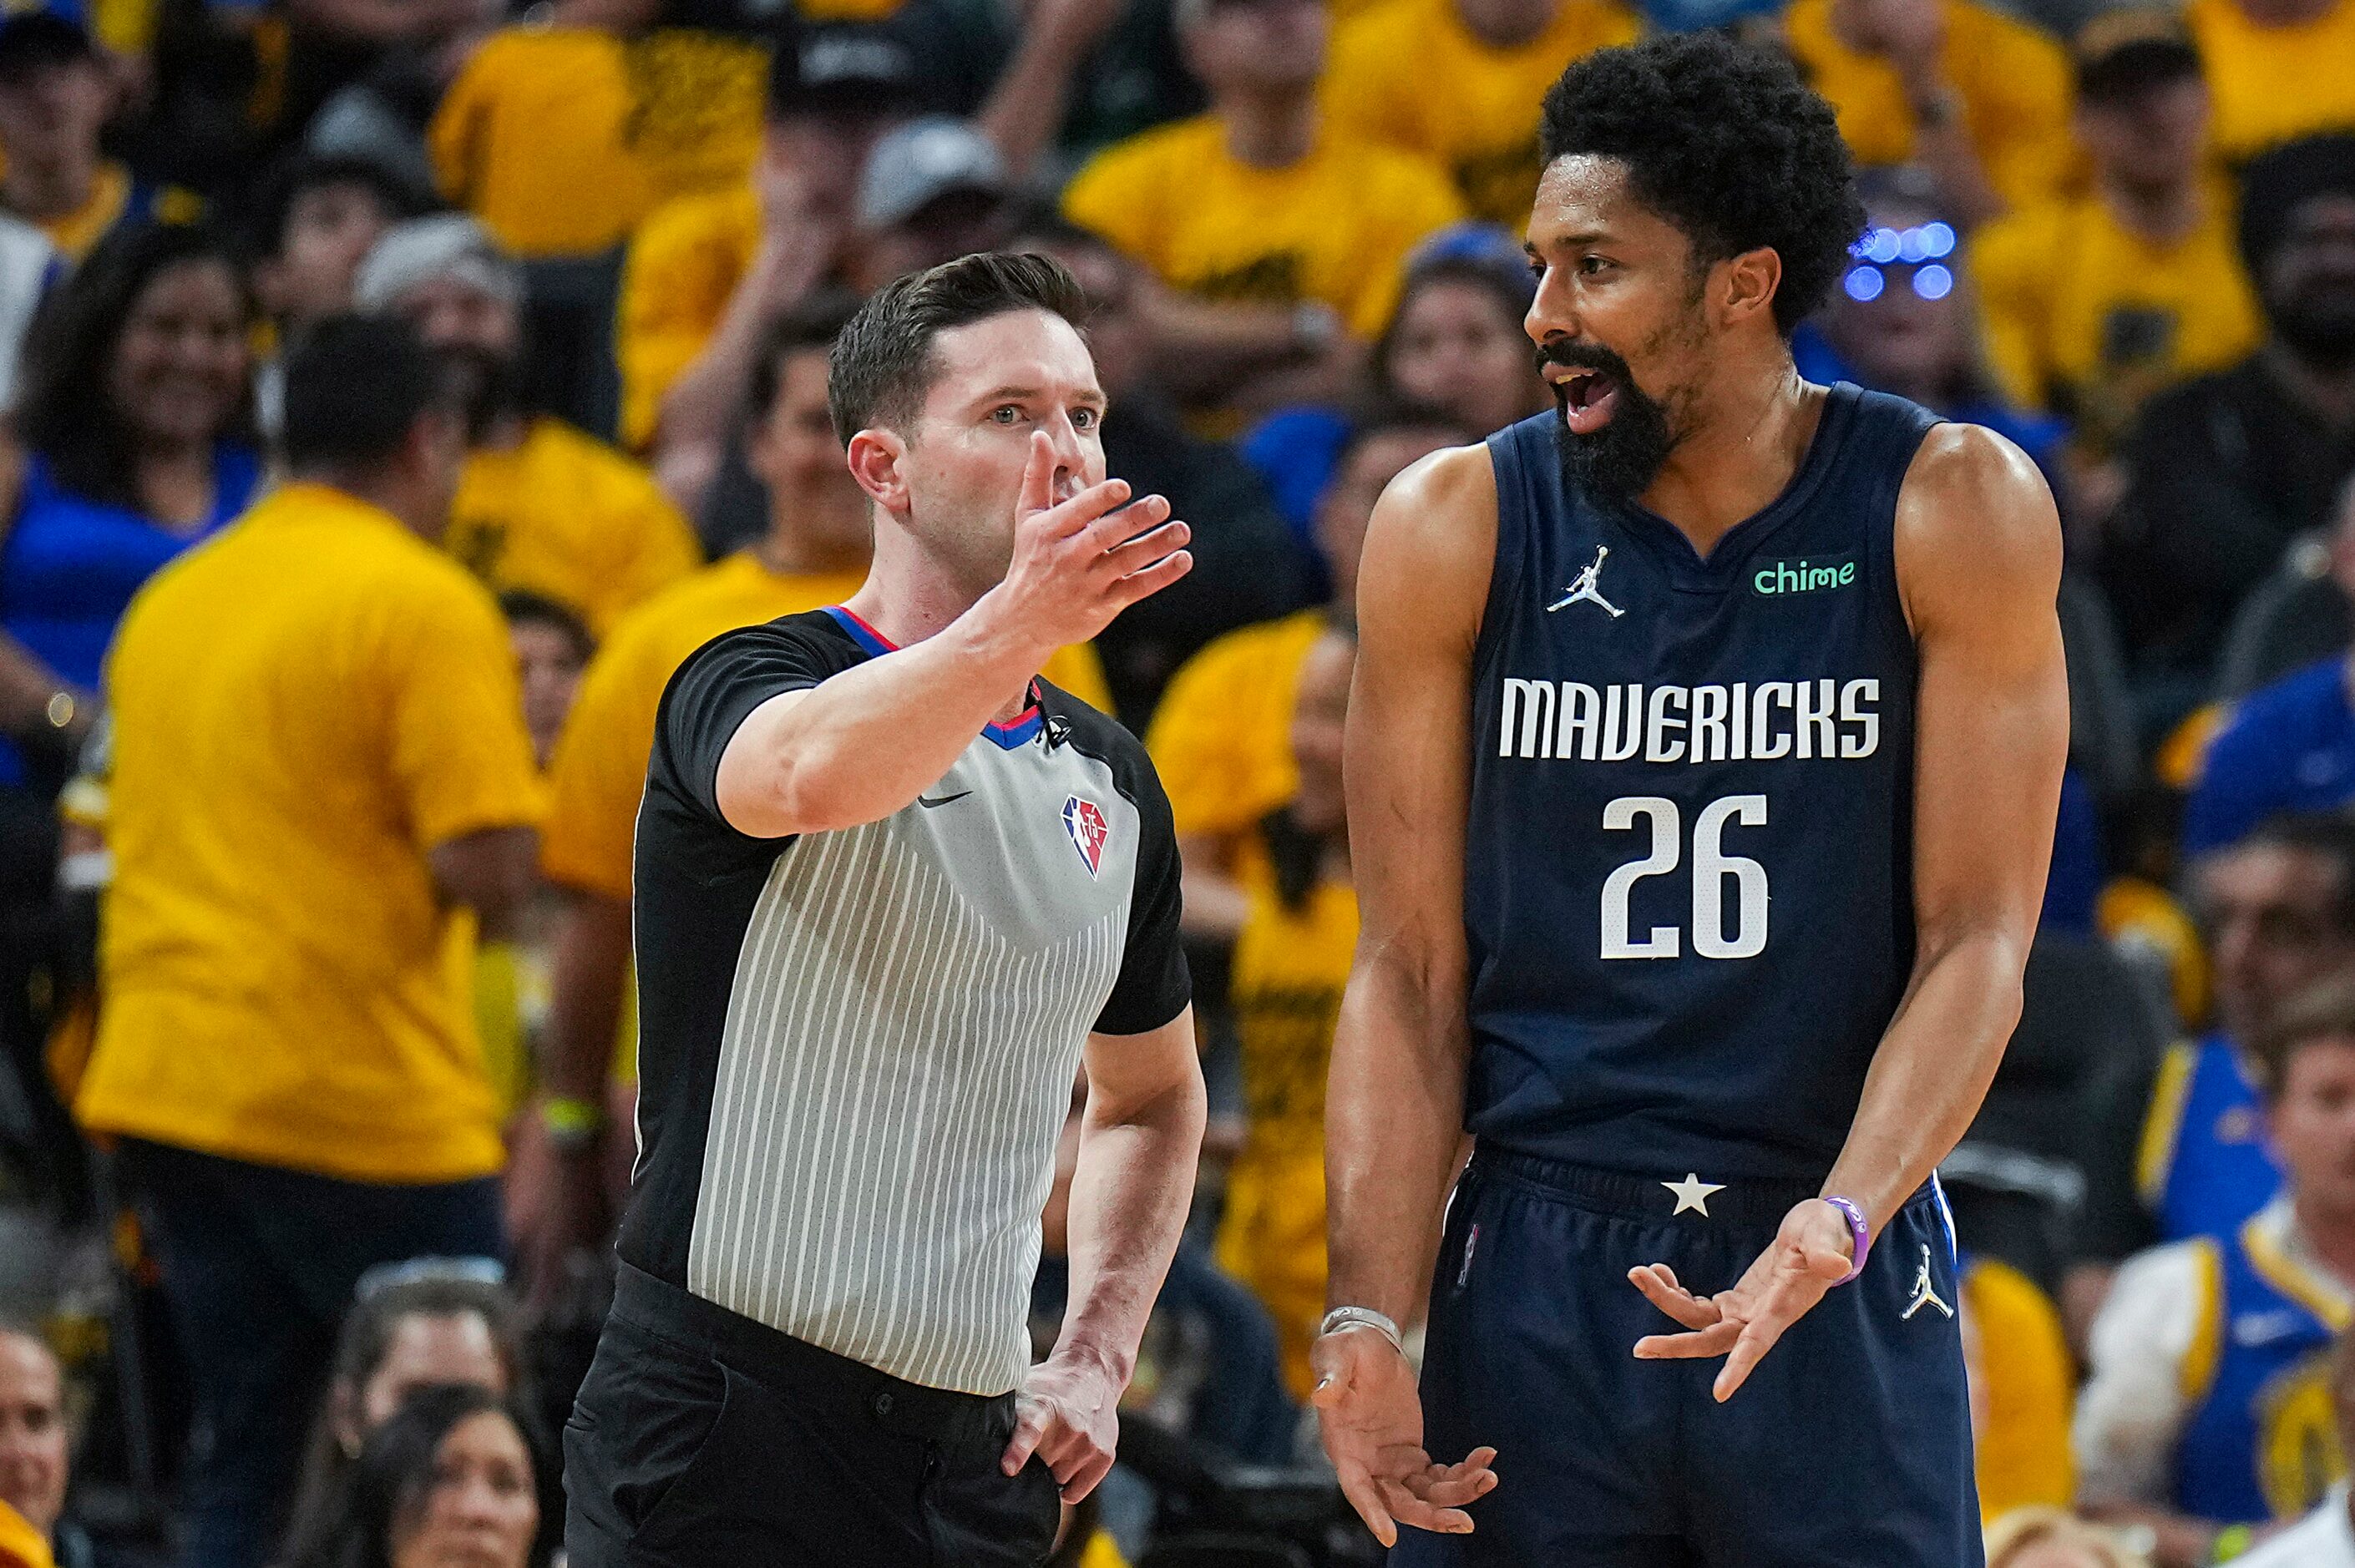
1371,1415
1080,561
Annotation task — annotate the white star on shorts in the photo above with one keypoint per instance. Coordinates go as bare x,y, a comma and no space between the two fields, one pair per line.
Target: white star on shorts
1692,1192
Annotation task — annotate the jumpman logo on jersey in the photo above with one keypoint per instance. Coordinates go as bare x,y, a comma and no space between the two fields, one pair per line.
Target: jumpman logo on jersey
1924,1293
1582,587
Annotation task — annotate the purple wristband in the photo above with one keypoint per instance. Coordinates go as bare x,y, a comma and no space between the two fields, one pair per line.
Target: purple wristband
1857,1233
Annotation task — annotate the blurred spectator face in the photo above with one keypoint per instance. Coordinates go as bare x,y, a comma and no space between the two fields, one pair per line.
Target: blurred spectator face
796,454
178,372
1348,504
2309,281
1257,47
1454,348
478,330
2149,139
956,224
423,1350
2271,914
994,382
481,1510
32,1431
1318,718
550,660
827,151
50,116
1902,322
2311,1123
328,228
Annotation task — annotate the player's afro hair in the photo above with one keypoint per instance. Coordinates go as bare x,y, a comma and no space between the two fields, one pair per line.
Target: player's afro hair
1724,141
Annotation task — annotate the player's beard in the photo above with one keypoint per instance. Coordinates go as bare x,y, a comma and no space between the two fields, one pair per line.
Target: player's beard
1623,458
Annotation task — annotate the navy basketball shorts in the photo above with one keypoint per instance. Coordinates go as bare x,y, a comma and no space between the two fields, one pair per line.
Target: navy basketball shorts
1849,1446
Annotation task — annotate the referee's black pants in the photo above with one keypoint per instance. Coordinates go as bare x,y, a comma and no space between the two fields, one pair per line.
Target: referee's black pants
702,1439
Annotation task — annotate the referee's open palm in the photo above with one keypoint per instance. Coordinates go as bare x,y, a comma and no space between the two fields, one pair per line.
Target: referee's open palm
1080,561
1371,1414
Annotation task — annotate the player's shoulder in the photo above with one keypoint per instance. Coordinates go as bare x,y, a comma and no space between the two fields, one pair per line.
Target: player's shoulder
1974,509
1441,506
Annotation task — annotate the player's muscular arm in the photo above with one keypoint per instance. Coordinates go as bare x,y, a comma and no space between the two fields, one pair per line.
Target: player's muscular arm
1978,563
863,745
1978,567
1395,1100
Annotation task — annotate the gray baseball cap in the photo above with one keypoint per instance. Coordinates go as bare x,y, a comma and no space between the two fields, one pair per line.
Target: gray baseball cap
921,162
447,244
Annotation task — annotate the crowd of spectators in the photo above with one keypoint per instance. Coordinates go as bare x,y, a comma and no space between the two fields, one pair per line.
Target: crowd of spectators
396,391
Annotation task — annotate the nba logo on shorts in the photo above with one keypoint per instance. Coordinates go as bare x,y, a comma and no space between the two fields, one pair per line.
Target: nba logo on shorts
1084,821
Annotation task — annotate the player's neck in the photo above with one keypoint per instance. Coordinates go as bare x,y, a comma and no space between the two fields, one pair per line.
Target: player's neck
1740,455
1269,132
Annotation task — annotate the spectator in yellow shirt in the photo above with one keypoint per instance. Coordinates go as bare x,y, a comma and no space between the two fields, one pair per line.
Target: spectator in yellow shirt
2279,70
1978,99
320,786
2022,1382
1220,737
541,505
560,135
1291,964
814,553
1460,81
2094,302
1286,233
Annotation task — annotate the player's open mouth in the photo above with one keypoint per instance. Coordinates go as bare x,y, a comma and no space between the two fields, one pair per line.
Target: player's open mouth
1587,395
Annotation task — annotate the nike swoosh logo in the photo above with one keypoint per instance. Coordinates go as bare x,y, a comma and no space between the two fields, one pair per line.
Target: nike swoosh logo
928,800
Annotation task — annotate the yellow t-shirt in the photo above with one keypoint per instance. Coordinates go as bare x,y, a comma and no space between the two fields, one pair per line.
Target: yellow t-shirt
561,139
2271,85
1409,74
2014,83
565,516
1290,967
2028,1384
683,264
21,1545
598,770
1221,737
1336,226
2086,317
303,707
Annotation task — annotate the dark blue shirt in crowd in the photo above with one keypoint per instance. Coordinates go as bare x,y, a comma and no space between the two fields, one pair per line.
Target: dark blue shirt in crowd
71,564
2289,746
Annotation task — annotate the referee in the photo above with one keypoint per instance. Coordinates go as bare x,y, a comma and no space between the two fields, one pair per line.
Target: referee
890,889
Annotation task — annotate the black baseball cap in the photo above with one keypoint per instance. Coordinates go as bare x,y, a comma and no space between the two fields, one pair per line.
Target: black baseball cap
2131,49
867,68
37,40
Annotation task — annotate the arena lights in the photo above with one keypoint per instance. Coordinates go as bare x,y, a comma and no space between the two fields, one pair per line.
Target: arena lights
1922,249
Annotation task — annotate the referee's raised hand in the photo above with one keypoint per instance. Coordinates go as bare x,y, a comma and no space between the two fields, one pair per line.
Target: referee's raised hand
1080,559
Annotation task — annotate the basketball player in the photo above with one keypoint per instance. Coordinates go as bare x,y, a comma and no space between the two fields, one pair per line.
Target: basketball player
1703,762
889,888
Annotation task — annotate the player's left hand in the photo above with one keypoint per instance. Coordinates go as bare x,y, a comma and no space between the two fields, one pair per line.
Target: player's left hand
1068,1414
1810,1255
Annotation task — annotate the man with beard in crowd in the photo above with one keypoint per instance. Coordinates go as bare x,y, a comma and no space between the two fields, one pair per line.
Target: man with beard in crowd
2227,470
1790,648
541,506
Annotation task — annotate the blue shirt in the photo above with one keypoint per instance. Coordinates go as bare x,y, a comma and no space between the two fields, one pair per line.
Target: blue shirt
1688,859
71,564
2290,747
2204,1168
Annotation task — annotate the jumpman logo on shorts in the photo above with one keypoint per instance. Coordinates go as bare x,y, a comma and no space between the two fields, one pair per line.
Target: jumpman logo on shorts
1582,587
1925,1294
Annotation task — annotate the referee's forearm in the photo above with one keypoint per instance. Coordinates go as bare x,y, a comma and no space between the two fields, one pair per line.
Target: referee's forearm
1931,1070
1393,1124
1130,1193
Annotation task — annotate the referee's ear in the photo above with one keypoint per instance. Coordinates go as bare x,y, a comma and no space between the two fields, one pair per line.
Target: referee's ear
878,460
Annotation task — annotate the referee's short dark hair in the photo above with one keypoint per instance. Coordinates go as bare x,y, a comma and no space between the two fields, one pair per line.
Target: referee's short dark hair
882,363
355,386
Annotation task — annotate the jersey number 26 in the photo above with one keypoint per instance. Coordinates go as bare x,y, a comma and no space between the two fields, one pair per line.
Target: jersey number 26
1711,866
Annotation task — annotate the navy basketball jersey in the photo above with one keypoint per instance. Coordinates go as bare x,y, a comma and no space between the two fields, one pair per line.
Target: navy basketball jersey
1688,868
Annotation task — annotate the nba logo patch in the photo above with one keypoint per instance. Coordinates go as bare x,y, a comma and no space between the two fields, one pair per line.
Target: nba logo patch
1084,821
